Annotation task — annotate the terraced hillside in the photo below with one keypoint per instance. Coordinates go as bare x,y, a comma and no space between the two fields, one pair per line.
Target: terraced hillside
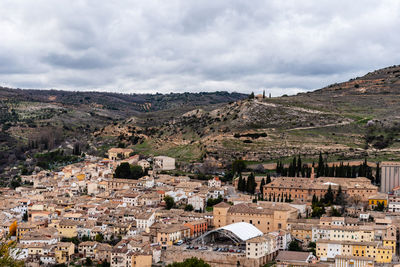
350,119
33,121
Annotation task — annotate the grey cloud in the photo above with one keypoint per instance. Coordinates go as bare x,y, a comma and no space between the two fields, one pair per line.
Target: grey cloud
179,45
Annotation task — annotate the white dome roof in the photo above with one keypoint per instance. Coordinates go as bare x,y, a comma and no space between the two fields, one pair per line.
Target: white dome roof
243,230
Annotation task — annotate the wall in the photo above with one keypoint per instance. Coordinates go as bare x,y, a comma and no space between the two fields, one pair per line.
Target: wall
215,259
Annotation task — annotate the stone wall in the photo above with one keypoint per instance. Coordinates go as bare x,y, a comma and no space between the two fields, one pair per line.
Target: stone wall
215,259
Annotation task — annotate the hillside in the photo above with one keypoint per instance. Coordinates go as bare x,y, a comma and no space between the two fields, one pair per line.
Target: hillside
348,120
352,119
33,121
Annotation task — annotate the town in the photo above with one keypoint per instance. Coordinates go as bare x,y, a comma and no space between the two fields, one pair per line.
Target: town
130,210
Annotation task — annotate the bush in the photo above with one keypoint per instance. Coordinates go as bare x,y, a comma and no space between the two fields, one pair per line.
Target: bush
192,262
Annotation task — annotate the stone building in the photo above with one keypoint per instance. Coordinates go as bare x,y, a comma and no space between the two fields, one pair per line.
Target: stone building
303,189
265,216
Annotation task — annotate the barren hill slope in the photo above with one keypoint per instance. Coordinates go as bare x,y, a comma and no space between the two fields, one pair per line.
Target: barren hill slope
350,119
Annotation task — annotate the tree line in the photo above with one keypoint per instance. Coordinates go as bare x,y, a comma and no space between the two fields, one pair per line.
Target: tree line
322,169
249,185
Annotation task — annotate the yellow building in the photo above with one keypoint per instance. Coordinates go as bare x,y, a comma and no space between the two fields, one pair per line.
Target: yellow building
25,228
301,231
66,228
378,198
329,249
169,234
64,251
383,254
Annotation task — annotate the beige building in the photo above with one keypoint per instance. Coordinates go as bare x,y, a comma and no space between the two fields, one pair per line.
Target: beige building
64,251
266,216
164,163
144,164
303,189
119,153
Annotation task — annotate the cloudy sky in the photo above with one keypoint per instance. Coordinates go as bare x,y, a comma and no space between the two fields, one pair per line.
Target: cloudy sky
164,46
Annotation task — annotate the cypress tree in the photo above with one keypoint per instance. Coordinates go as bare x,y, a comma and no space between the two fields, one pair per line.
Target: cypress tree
329,196
268,179
262,187
320,168
314,200
294,167
251,184
378,174
240,183
299,166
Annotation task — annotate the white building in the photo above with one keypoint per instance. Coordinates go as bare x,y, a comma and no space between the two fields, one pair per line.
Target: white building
197,202
177,195
145,220
215,182
215,193
283,239
131,199
164,163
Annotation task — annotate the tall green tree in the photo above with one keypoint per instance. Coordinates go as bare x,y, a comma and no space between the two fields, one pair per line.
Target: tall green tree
294,246
169,202
238,166
123,170
251,184
378,174
268,179
262,187
299,166
320,167
240,183
136,172
329,196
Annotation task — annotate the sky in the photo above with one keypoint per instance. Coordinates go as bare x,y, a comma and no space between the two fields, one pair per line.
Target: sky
283,47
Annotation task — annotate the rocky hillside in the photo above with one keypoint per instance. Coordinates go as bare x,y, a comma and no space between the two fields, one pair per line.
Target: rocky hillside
33,121
350,119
